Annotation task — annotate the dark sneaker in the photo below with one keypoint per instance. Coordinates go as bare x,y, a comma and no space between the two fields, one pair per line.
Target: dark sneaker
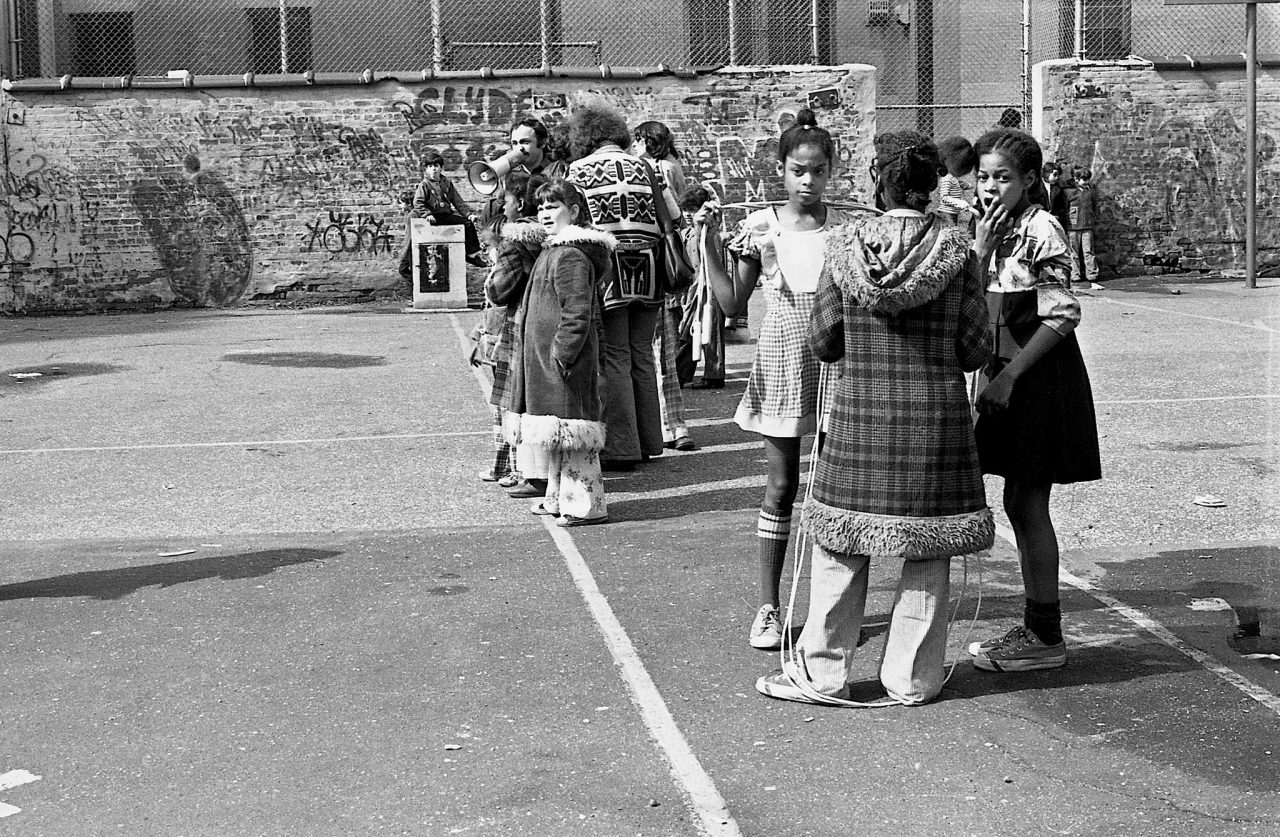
1019,650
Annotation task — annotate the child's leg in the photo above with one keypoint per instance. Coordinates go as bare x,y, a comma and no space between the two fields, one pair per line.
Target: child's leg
774,527
670,399
550,501
501,448
837,602
1077,271
1086,252
915,649
581,485
1027,505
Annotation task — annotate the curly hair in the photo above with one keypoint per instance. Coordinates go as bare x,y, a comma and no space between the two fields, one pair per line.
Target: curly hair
594,125
1021,150
805,131
559,190
958,157
907,164
658,142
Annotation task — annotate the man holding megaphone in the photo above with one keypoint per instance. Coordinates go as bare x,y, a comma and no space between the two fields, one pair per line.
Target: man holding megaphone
530,146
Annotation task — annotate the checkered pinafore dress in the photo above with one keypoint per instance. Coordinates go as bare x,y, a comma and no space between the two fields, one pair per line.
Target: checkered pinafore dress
782,394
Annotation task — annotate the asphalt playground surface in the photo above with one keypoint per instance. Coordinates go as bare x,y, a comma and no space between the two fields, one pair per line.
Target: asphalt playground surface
251,585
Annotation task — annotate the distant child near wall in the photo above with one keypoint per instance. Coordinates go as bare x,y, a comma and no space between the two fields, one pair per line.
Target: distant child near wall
1036,425
437,200
955,185
701,335
554,391
782,246
1082,202
1056,195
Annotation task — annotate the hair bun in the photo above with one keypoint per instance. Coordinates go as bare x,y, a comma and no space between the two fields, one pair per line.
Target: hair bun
806,118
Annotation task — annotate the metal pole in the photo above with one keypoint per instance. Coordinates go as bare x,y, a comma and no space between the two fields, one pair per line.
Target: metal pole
1026,64
1079,30
733,33
813,32
284,37
437,38
1251,146
544,30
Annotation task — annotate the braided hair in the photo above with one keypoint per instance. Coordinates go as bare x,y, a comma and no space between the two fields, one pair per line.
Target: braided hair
805,131
907,165
1020,150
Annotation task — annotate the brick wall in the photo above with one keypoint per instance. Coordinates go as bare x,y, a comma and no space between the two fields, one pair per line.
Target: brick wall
153,198
1166,148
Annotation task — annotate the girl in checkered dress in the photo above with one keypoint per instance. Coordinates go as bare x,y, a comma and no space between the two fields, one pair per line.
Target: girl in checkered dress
783,247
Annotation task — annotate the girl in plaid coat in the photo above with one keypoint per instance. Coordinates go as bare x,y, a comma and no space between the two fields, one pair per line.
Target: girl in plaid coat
901,316
781,246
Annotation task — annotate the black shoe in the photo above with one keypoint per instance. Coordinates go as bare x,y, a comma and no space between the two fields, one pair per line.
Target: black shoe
529,488
708,383
617,464
477,260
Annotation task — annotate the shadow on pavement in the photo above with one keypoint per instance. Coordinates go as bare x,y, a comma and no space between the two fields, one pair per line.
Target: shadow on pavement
118,583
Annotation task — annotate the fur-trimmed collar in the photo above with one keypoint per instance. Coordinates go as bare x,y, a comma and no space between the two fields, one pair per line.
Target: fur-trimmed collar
891,264
524,232
577,236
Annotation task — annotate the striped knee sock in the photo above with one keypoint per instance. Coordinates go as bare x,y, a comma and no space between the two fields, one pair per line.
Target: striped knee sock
773,531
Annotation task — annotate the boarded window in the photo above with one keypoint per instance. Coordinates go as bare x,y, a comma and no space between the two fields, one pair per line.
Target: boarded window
274,51
102,44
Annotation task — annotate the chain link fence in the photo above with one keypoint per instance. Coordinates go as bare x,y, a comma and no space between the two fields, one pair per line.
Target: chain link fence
945,66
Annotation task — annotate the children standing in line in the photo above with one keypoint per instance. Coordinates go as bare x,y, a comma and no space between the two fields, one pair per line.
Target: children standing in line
517,241
554,387
1036,425
955,186
900,309
782,245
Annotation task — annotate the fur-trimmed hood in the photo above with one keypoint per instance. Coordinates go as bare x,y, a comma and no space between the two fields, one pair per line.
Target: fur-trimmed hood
524,232
597,245
895,262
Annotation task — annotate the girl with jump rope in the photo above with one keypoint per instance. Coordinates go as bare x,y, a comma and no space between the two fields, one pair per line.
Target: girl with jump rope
782,246
1036,425
900,314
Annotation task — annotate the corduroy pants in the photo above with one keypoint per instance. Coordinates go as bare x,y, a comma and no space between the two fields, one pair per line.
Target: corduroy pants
915,648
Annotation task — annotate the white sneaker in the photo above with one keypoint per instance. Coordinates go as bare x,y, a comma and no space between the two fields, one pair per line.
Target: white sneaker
766,630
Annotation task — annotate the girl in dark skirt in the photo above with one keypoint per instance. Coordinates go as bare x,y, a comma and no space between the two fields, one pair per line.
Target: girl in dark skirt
1036,425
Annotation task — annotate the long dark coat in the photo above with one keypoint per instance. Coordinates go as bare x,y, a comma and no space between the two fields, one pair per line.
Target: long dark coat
558,339
901,316
521,243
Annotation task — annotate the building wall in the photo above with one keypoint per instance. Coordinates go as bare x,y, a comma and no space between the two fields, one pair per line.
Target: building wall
152,198
1166,148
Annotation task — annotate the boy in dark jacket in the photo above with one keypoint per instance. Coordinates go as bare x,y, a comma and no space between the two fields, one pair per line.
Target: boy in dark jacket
437,200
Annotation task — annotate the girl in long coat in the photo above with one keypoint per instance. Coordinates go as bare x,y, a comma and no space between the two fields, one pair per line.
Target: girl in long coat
554,401
901,316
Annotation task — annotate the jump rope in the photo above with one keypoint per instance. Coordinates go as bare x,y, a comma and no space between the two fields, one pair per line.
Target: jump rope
791,657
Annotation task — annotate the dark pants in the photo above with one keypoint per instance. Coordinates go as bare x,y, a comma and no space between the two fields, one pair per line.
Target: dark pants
629,383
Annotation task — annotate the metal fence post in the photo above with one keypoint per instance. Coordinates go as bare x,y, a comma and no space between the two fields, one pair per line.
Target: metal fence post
437,37
733,33
1079,35
1251,146
1026,64
813,32
544,30
284,37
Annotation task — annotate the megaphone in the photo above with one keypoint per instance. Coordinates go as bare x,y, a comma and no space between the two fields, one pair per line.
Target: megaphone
485,178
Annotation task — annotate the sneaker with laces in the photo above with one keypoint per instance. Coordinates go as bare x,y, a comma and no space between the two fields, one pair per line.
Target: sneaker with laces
766,629
1018,650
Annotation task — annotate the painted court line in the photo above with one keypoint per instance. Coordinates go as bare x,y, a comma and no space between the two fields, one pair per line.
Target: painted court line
1127,304
1160,632
316,441
701,796
1121,401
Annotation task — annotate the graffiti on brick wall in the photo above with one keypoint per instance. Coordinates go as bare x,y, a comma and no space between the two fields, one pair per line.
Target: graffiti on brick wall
199,233
1170,181
344,232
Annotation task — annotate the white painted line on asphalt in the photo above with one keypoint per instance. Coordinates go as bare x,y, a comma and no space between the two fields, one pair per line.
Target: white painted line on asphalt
15,778
465,342
1160,632
1127,304
702,797
317,441
1121,401
7,810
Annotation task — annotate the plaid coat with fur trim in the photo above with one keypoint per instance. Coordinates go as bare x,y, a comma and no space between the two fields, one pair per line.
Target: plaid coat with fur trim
900,314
